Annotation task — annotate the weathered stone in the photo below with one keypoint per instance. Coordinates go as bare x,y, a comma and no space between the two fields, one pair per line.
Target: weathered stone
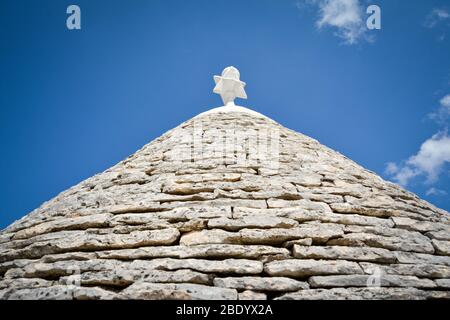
64,268
123,277
418,270
140,207
205,177
305,204
417,225
19,263
318,232
383,201
149,219
442,247
421,258
306,180
257,204
320,197
67,268
221,251
85,238
387,232
300,242
375,212
261,283
344,253
354,219
251,295
22,283
237,266
175,213
188,188
54,236
5,237
15,273
191,225
303,268
414,244
69,256
261,222
372,211
440,295
364,281
131,177
357,294
443,283
215,236
201,196
302,214
60,292
158,291
193,188
76,240
141,253
344,188
79,223
439,235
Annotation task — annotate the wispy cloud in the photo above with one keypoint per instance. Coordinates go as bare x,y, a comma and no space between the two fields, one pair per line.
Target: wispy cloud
391,168
435,17
436,192
401,174
345,16
433,156
431,159
442,114
445,102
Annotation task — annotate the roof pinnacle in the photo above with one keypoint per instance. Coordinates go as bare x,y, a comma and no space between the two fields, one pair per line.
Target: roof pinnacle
229,86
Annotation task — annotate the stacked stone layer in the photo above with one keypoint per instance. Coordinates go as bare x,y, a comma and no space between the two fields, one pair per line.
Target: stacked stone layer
159,227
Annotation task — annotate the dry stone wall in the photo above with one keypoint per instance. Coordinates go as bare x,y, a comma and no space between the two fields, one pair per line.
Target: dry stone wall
318,226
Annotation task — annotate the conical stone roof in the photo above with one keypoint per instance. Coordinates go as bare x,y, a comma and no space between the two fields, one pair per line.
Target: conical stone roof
230,205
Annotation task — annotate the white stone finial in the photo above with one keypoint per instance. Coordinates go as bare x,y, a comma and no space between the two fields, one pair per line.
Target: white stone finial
229,86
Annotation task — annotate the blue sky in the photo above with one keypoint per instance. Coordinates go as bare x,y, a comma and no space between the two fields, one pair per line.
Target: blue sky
75,102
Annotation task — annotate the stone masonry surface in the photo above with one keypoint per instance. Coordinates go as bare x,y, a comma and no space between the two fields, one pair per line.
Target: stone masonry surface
157,226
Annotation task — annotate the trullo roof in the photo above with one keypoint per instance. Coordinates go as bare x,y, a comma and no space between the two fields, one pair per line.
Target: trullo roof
230,205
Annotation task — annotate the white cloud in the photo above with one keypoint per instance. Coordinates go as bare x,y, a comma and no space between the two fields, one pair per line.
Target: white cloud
346,16
441,14
433,156
445,101
442,114
404,175
391,168
436,192
436,16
